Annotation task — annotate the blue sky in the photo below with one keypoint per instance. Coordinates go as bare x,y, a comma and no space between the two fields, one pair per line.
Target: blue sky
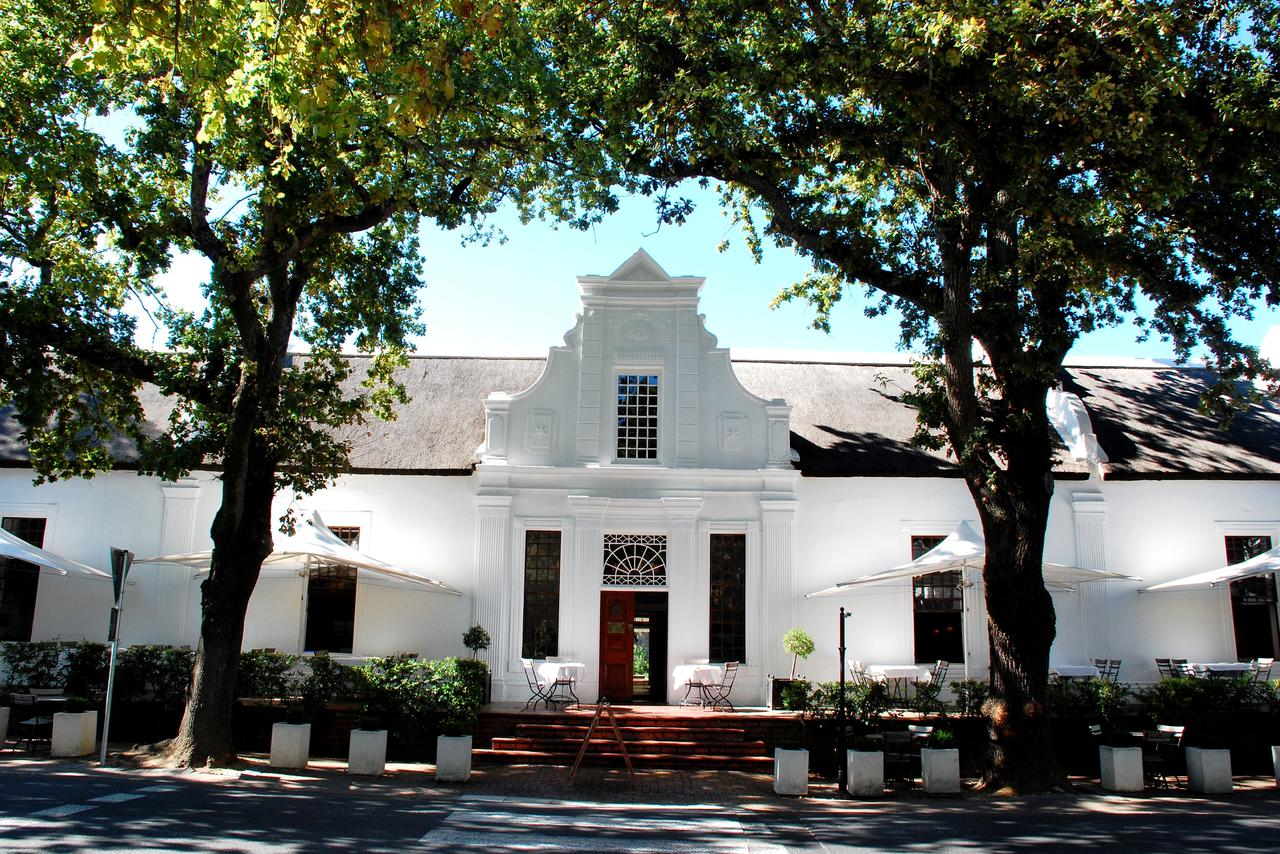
521,296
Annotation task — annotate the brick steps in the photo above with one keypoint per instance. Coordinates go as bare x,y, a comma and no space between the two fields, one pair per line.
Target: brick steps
693,761
669,738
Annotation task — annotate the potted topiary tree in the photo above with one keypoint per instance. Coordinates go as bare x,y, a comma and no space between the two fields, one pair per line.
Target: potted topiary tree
798,644
475,639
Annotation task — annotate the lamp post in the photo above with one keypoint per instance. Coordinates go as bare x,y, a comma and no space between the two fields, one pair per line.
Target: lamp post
842,782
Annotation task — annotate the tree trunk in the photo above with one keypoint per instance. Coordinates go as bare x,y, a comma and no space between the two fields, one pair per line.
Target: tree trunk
240,545
1021,629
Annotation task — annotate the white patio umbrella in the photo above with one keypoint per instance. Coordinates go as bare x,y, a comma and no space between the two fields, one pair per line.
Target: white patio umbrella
1256,565
964,548
19,549
312,543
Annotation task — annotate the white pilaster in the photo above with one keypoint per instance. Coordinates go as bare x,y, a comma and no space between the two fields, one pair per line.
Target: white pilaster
1089,512
580,590
492,569
777,606
170,587
590,388
686,592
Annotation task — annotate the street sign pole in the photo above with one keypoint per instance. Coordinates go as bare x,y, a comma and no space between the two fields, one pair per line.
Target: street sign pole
121,560
842,784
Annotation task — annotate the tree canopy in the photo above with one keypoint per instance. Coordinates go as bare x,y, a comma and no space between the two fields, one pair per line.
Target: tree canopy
1010,174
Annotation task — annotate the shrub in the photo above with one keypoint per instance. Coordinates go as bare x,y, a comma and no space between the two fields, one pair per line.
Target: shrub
1208,708
1092,699
33,664
325,680
86,665
970,694
864,702
795,695
415,698
160,673
265,674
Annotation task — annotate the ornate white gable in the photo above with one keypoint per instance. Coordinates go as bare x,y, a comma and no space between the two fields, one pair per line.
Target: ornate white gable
639,382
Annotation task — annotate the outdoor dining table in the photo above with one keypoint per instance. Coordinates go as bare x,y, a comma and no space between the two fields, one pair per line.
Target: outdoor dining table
899,677
692,676
1074,671
561,675
1218,669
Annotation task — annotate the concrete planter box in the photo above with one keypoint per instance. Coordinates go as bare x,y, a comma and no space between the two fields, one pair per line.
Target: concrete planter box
865,773
368,753
1121,768
1209,771
940,770
290,745
790,771
74,733
4,723
453,758
1275,762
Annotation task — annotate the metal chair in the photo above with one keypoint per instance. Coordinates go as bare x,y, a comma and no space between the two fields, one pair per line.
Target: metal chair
1165,668
1261,669
717,695
938,673
31,726
1109,669
901,759
1162,755
1182,668
540,692
858,672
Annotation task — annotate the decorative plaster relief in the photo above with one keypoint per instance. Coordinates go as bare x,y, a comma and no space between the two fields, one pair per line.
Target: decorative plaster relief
645,356
640,328
542,430
733,432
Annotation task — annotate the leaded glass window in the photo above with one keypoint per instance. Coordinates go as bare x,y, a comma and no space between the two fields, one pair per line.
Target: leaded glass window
938,608
1253,602
635,560
19,581
541,636
728,597
637,416
331,600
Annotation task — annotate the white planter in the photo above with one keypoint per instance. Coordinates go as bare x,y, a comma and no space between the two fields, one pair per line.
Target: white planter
790,771
453,758
865,773
1209,771
368,753
290,745
74,733
1275,762
940,770
1121,768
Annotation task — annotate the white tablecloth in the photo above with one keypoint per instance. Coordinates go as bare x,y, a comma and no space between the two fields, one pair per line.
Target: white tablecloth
1219,667
1074,671
707,674
899,671
553,671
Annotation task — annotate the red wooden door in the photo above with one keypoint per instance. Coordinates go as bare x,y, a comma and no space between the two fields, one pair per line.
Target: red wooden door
617,644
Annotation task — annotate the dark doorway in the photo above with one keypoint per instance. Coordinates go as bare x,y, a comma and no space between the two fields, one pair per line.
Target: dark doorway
650,648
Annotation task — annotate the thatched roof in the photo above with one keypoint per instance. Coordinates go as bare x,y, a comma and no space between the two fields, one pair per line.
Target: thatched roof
847,420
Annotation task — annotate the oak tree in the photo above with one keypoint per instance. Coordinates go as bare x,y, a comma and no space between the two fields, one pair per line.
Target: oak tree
295,145
1014,174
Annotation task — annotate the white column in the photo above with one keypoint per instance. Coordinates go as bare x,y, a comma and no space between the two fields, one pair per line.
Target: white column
492,568
688,612
170,587
777,606
580,590
977,642
1089,512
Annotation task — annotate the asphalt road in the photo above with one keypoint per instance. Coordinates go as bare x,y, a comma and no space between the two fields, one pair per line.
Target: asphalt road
73,807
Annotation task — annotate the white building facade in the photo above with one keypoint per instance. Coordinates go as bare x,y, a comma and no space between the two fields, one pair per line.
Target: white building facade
637,487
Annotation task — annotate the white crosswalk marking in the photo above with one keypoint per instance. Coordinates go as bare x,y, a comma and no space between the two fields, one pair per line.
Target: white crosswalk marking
497,830
62,811
116,798
158,789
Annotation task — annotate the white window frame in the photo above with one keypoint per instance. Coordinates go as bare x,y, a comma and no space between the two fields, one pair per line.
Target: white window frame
631,370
